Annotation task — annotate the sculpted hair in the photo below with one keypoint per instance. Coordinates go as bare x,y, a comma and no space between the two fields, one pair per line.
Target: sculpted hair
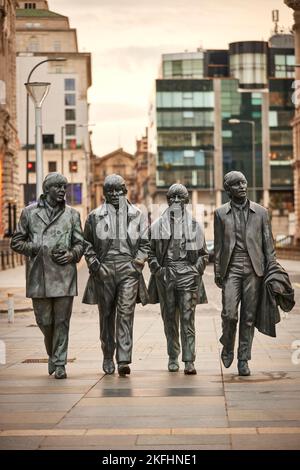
231,177
178,189
114,180
53,178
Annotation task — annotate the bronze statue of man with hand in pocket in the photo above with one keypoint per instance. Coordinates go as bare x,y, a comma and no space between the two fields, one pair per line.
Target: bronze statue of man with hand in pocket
117,246
177,261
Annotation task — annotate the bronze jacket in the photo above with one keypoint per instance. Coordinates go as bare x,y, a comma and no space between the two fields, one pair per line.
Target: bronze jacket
97,235
196,251
259,238
44,277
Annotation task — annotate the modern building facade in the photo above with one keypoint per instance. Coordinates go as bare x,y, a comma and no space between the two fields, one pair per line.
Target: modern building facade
9,184
218,110
43,35
295,5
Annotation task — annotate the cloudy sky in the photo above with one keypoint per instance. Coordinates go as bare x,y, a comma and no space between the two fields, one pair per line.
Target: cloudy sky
127,37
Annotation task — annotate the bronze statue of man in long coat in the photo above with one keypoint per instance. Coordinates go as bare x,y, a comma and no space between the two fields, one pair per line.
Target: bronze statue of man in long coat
244,251
177,260
49,235
117,246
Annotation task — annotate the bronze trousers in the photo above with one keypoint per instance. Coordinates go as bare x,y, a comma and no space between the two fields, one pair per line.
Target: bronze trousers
118,288
53,318
241,287
177,290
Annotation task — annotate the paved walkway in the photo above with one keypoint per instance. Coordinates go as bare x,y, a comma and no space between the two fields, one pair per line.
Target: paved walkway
151,408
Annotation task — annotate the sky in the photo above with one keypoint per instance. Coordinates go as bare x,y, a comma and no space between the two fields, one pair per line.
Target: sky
127,37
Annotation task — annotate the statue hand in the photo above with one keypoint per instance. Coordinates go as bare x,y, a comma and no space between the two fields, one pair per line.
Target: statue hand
35,248
63,257
138,264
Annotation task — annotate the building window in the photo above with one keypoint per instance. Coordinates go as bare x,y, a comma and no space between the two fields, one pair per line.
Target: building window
284,66
71,144
74,193
69,84
57,46
33,44
52,166
73,167
70,129
30,6
178,99
70,99
48,141
70,114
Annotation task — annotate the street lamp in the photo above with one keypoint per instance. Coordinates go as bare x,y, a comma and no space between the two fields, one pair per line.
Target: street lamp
38,92
87,152
252,123
56,59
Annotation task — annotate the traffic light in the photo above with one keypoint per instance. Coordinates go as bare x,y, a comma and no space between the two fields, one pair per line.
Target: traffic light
31,167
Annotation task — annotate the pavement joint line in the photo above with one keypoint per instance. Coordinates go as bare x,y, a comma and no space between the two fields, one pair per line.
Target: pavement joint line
149,431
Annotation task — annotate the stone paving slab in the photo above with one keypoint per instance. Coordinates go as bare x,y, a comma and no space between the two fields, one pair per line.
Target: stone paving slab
152,408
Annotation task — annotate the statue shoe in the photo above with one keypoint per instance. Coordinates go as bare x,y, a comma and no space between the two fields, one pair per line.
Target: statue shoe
190,368
60,372
243,368
51,367
123,369
227,358
108,366
173,365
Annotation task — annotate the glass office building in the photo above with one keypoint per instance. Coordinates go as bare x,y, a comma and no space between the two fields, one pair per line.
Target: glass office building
191,138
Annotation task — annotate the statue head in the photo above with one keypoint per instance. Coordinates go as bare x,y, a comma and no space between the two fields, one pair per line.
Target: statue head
235,185
177,195
114,189
54,188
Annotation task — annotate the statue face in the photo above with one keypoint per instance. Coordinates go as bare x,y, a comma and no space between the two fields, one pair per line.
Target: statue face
56,192
177,199
238,189
114,194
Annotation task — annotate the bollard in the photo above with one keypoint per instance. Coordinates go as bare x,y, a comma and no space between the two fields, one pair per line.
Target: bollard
10,307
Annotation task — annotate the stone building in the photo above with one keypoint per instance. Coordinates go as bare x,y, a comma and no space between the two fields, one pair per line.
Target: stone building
119,162
9,189
44,35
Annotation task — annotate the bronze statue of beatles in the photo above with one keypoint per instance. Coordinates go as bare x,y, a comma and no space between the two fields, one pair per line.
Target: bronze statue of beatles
117,246
49,235
177,260
243,250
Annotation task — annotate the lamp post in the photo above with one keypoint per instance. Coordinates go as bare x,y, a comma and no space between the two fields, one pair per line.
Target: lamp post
62,148
56,59
252,123
87,152
38,92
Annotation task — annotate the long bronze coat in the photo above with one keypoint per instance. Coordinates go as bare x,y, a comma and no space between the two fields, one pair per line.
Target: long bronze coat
97,235
44,277
259,238
196,251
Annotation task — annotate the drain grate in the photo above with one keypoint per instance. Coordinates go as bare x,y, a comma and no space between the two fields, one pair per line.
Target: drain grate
44,361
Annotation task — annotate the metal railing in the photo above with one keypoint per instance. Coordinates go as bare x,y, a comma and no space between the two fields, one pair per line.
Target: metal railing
284,242
9,259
